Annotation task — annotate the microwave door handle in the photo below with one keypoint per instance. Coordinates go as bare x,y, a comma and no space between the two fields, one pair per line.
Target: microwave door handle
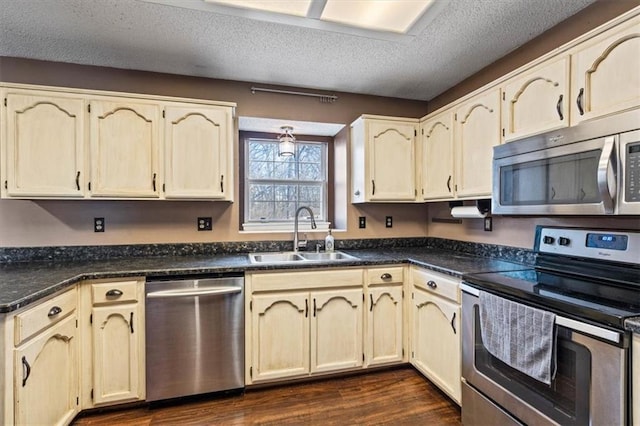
606,183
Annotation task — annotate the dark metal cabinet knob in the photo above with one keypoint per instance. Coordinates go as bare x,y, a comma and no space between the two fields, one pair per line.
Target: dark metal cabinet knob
432,284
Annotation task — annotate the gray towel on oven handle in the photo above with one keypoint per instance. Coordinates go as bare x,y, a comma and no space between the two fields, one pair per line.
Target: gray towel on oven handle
521,336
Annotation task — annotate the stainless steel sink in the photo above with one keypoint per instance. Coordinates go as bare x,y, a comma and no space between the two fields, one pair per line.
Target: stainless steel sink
336,255
293,257
275,257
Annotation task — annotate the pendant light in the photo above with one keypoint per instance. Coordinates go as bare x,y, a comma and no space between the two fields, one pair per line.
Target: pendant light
286,147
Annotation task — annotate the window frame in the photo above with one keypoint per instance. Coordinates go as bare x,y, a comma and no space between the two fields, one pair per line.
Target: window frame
322,218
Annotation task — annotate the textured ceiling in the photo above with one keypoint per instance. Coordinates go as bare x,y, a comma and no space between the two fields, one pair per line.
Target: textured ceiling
465,36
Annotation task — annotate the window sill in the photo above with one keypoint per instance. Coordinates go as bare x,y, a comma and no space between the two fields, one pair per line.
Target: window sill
251,228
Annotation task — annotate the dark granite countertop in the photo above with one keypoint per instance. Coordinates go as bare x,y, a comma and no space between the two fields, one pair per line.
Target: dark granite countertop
633,324
22,283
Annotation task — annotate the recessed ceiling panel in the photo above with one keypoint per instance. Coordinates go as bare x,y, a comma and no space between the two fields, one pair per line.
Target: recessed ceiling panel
295,7
382,15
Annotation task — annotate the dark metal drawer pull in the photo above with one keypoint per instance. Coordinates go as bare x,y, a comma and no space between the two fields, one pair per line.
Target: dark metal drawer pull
559,108
453,319
114,292
78,181
432,284
131,322
371,304
54,311
385,276
579,101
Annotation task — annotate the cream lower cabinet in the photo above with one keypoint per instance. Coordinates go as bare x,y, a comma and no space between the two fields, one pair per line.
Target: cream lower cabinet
113,349
45,363
635,373
383,159
384,304
605,73
435,342
303,323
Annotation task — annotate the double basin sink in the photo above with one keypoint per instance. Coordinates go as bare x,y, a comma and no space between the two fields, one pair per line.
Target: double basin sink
296,257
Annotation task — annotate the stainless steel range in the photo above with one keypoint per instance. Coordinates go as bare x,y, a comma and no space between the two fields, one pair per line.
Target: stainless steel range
589,282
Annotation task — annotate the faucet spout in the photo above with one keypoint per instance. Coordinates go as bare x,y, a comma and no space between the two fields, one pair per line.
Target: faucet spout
297,244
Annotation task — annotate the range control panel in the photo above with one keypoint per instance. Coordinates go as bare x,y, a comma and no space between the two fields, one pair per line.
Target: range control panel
612,245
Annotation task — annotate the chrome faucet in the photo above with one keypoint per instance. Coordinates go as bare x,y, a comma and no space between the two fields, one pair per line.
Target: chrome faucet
301,244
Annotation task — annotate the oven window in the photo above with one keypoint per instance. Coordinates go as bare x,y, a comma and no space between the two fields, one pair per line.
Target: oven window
566,179
566,400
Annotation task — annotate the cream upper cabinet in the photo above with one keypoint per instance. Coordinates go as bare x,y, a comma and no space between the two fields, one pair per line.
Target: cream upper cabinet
46,385
336,330
124,148
606,73
280,335
477,131
437,157
117,342
385,319
537,100
198,152
383,159
44,145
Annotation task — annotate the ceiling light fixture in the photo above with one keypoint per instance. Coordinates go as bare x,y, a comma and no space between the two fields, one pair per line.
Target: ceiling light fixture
286,147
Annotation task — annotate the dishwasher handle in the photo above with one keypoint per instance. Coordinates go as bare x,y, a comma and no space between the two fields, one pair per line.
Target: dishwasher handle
217,291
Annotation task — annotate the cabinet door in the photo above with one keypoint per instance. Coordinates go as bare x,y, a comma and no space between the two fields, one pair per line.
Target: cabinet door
117,356
124,148
46,376
336,330
437,159
537,101
391,159
45,145
436,341
606,73
280,335
384,325
477,132
198,142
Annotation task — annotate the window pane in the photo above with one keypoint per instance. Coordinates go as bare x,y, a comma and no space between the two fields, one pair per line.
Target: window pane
276,186
261,170
309,171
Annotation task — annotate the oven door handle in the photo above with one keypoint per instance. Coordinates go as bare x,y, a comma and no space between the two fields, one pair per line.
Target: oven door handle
607,183
591,330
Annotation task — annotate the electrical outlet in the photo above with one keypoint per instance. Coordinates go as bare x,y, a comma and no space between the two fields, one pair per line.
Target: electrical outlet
362,222
488,224
98,224
388,221
204,224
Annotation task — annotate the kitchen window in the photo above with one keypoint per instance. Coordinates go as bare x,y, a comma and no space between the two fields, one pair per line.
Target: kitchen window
276,186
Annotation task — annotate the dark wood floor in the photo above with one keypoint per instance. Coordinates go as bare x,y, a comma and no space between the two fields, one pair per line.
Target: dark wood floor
399,396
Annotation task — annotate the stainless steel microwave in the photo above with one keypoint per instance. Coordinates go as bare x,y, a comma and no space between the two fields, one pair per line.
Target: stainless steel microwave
590,169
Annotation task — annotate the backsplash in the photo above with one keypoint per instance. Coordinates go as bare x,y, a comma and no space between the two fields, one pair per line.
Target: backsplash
83,253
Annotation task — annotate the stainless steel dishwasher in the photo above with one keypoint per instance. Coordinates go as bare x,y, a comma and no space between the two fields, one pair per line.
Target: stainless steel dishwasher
195,335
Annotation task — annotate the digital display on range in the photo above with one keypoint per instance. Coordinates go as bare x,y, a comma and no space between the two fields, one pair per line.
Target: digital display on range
607,241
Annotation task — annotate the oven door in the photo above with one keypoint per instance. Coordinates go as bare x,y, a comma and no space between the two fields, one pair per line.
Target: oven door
590,385
576,179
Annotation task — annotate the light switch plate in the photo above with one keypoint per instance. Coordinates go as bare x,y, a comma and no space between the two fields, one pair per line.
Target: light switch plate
204,224
362,222
488,224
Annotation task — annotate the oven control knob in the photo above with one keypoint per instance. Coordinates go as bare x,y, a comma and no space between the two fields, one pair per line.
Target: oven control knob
564,241
548,240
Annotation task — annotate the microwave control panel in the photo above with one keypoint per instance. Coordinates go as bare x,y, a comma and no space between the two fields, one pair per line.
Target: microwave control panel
632,173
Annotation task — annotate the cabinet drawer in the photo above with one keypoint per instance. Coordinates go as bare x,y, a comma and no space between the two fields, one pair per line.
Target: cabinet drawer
394,274
44,315
307,279
436,283
114,292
